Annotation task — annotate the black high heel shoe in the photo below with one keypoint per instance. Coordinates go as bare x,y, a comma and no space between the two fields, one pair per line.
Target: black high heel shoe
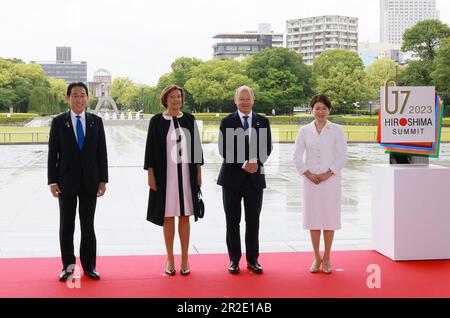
185,272
170,272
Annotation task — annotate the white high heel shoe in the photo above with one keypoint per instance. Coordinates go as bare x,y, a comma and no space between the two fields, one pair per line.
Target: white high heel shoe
326,268
315,266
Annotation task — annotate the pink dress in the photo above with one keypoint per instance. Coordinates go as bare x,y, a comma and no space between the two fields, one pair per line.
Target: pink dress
172,193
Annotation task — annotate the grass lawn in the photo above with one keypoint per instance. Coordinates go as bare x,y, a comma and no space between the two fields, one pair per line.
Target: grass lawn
288,133
280,133
15,134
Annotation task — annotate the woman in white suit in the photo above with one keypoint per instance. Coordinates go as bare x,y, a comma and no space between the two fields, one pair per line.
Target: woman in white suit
326,155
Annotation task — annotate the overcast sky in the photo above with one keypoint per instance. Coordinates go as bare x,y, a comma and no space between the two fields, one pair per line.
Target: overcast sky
141,38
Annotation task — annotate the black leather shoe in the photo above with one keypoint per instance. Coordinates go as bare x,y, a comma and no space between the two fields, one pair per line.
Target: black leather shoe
255,267
92,274
234,267
64,275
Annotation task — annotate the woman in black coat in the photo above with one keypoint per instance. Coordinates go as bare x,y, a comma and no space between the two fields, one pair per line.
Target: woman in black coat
173,159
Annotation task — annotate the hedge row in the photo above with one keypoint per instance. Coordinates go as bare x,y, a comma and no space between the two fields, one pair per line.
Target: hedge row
16,118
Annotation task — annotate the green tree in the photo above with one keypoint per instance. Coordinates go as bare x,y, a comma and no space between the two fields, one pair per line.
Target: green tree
164,81
7,98
340,74
41,101
441,75
283,79
425,37
92,103
182,70
20,78
181,73
329,59
378,72
120,90
418,73
345,87
58,88
31,73
213,84
152,103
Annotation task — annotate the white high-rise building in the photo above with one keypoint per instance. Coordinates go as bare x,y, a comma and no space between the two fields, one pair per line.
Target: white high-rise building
398,15
312,36
237,46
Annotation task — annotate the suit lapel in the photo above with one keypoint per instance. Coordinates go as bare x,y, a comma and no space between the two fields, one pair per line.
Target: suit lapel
237,121
69,130
255,121
89,127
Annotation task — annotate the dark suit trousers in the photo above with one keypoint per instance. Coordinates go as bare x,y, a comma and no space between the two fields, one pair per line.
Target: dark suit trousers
232,197
88,244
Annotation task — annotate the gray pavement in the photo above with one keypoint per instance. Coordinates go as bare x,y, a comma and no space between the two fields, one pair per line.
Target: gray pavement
29,214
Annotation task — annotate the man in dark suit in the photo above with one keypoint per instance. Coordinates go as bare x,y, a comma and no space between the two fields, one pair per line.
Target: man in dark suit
77,170
245,143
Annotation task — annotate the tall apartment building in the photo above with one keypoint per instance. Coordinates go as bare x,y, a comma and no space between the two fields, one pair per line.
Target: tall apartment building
236,46
64,68
398,15
312,36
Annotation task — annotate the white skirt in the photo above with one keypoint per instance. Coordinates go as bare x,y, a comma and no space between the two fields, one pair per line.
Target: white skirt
322,204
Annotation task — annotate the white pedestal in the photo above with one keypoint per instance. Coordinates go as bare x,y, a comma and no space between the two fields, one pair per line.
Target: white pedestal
411,211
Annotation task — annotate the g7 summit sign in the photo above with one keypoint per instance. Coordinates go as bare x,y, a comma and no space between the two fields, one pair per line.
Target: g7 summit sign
407,114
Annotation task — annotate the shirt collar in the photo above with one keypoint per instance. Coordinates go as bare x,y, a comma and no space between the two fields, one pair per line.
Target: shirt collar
74,116
241,115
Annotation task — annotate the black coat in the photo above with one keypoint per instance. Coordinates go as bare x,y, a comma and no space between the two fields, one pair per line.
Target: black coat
66,163
231,172
156,158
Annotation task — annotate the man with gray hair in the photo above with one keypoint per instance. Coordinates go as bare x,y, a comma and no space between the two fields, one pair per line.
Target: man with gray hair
245,143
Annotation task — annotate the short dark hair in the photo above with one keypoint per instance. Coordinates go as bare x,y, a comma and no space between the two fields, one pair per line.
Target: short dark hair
166,91
78,84
320,98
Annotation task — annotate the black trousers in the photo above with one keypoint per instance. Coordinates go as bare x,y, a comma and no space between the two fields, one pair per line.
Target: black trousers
232,198
88,245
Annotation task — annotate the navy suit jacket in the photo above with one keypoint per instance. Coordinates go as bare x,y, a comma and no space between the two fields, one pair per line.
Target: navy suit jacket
260,147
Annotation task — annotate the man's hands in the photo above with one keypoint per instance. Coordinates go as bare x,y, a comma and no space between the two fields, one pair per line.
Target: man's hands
101,189
54,189
251,167
318,178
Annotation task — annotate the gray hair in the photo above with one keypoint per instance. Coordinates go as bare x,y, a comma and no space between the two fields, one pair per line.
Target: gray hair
244,88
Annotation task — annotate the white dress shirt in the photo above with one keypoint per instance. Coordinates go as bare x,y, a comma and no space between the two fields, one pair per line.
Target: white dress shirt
249,131
249,120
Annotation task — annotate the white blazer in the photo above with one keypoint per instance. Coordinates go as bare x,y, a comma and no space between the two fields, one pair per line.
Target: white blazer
327,151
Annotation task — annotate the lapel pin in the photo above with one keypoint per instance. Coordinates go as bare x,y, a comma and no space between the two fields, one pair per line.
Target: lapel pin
67,124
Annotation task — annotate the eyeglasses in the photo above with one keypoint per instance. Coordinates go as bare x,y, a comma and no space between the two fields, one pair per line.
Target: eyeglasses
78,96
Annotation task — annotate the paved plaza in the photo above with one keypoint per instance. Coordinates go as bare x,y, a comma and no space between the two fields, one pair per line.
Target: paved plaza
29,215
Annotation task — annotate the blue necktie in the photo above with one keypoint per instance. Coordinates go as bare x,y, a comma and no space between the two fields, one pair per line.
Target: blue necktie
247,139
246,126
80,133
